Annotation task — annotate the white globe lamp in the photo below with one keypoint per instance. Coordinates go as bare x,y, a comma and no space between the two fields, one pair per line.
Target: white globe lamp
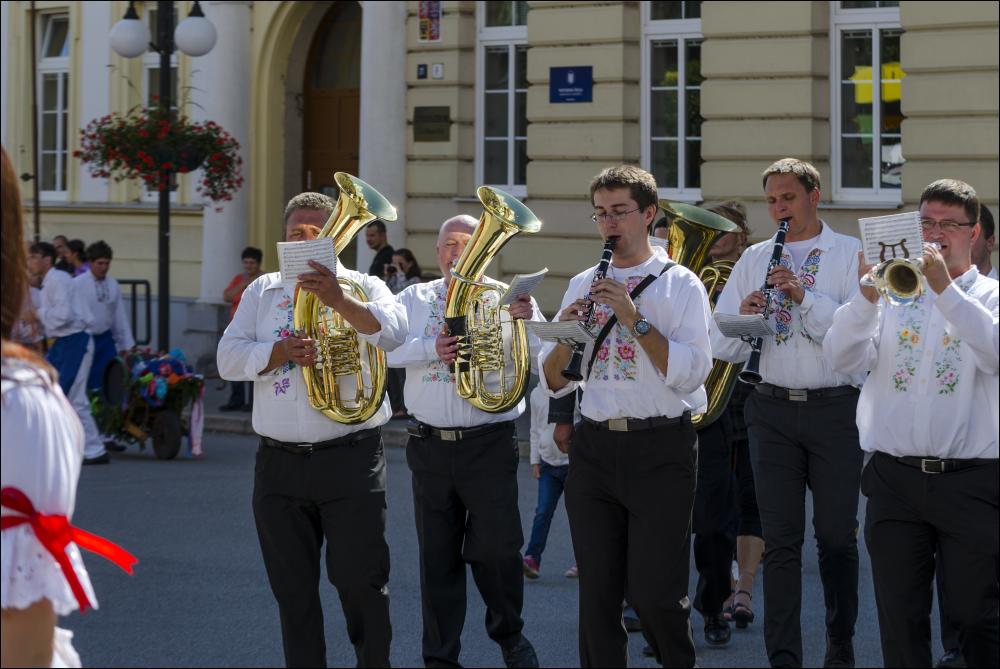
130,36
195,35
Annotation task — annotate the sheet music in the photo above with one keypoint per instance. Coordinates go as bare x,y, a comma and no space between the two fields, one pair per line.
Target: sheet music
659,241
743,326
892,236
562,332
294,257
523,284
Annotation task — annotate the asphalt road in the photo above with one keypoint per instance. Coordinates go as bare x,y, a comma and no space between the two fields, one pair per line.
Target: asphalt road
199,597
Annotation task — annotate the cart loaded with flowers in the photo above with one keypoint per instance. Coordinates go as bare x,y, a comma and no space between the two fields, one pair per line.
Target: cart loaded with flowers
145,396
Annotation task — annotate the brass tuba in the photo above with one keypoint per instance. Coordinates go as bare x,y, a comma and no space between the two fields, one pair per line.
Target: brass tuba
347,383
691,234
473,315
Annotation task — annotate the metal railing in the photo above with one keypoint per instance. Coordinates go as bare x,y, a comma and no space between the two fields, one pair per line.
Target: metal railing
133,287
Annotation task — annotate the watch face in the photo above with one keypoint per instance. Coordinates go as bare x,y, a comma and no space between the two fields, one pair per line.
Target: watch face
642,327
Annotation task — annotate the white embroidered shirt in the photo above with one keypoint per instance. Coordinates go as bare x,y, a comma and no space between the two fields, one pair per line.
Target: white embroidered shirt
104,300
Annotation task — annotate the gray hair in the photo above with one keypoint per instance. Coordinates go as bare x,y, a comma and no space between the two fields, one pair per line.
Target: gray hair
314,201
460,223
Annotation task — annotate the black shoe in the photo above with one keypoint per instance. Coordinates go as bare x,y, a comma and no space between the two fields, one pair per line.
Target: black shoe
519,653
717,632
114,446
231,406
839,653
101,459
951,658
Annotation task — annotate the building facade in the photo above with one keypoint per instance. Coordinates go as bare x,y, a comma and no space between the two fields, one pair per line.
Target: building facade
428,100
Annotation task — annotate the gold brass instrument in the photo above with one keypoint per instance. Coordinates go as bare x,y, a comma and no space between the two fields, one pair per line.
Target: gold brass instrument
475,316
899,280
347,383
691,234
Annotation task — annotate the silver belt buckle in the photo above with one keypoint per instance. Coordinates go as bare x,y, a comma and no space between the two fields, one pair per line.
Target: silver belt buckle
449,435
308,448
923,466
798,395
618,424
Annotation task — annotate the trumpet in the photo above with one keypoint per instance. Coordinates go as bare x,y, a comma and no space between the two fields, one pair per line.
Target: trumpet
751,371
899,280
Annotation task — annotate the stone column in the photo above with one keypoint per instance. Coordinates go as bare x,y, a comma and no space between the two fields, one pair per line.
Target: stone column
221,81
94,90
382,161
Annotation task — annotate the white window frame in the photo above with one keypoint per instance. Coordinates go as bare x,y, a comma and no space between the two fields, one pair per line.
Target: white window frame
682,30
59,66
511,37
873,19
151,61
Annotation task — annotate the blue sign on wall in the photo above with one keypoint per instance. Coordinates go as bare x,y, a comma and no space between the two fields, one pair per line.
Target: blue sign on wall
571,84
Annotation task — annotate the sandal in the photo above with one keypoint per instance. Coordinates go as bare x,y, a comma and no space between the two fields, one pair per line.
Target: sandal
742,613
727,606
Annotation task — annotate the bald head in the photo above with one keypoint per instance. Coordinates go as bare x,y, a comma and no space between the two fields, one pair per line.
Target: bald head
454,235
462,223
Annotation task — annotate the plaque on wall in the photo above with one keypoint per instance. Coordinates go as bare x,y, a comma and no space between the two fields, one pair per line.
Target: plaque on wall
432,124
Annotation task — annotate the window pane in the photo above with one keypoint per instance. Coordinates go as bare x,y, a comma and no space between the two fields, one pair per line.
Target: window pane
692,167
151,22
521,13
694,119
666,10
496,115
521,114
520,162
664,163
48,171
497,67
856,89
499,14
521,67
892,76
495,161
55,38
62,171
856,162
858,5
664,114
50,92
692,66
49,122
892,162
663,71
692,10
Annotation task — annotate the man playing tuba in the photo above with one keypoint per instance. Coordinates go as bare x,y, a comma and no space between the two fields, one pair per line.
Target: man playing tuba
464,464
315,477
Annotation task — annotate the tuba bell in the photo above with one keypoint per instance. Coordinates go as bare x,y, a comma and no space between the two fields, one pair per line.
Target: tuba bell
473,313
691,234
347,383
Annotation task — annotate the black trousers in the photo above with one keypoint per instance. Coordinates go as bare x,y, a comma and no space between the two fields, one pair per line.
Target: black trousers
337,493
629,497
949,630
795,445
465,504
917,523
715,519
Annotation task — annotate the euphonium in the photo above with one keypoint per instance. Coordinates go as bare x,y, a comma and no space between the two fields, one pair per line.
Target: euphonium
347,383
691,234
476,317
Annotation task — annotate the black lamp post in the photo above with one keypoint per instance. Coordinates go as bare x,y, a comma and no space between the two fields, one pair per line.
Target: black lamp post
195,36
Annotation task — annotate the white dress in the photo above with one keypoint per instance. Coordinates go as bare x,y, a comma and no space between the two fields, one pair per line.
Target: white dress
42,451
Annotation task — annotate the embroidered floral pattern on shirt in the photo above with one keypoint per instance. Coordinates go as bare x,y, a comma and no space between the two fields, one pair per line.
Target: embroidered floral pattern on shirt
287,305
909,345
946,366
281,387
438,371
783,303
622,365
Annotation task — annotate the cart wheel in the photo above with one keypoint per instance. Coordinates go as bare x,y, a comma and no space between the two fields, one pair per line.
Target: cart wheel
166,435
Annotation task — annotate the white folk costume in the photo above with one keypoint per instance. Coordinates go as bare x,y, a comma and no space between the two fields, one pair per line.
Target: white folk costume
929,414
109,325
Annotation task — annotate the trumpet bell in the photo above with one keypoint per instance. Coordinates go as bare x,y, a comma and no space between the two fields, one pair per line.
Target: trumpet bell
899,280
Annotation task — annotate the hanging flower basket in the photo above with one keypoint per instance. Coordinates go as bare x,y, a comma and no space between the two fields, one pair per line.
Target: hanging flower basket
150,144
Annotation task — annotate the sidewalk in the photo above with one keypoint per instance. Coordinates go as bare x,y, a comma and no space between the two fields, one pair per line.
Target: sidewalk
239,422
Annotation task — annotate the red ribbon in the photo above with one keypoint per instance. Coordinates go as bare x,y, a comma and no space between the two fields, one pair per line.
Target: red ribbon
55,533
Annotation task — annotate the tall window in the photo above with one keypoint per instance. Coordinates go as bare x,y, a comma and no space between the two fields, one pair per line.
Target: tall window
866,115
53,108
502,96
671,86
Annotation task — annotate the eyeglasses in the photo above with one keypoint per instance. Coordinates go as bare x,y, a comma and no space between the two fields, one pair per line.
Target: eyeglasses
617,217
927,224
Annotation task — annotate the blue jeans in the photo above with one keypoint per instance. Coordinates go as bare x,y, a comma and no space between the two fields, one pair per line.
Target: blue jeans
550,487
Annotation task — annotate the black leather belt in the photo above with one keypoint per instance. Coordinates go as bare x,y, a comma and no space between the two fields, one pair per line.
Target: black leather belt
306,449
799,395
939,465
638,424
423,430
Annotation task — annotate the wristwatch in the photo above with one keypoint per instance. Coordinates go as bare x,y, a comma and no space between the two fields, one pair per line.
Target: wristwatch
641,327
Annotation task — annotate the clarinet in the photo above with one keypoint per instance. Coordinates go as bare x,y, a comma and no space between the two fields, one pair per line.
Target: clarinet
751,371
573,370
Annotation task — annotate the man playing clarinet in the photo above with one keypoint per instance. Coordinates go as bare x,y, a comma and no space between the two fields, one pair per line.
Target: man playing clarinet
632,476
800,419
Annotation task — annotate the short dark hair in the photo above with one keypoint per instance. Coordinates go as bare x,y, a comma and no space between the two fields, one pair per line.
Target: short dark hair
62,237
76,246
986,221
408,256
662,223
98,250
640,183
377,224
805,172
252,252
953,191
43,249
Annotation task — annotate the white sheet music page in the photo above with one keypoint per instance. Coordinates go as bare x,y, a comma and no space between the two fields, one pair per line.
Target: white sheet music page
523,284
562,332
892,236
737,326
294,257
